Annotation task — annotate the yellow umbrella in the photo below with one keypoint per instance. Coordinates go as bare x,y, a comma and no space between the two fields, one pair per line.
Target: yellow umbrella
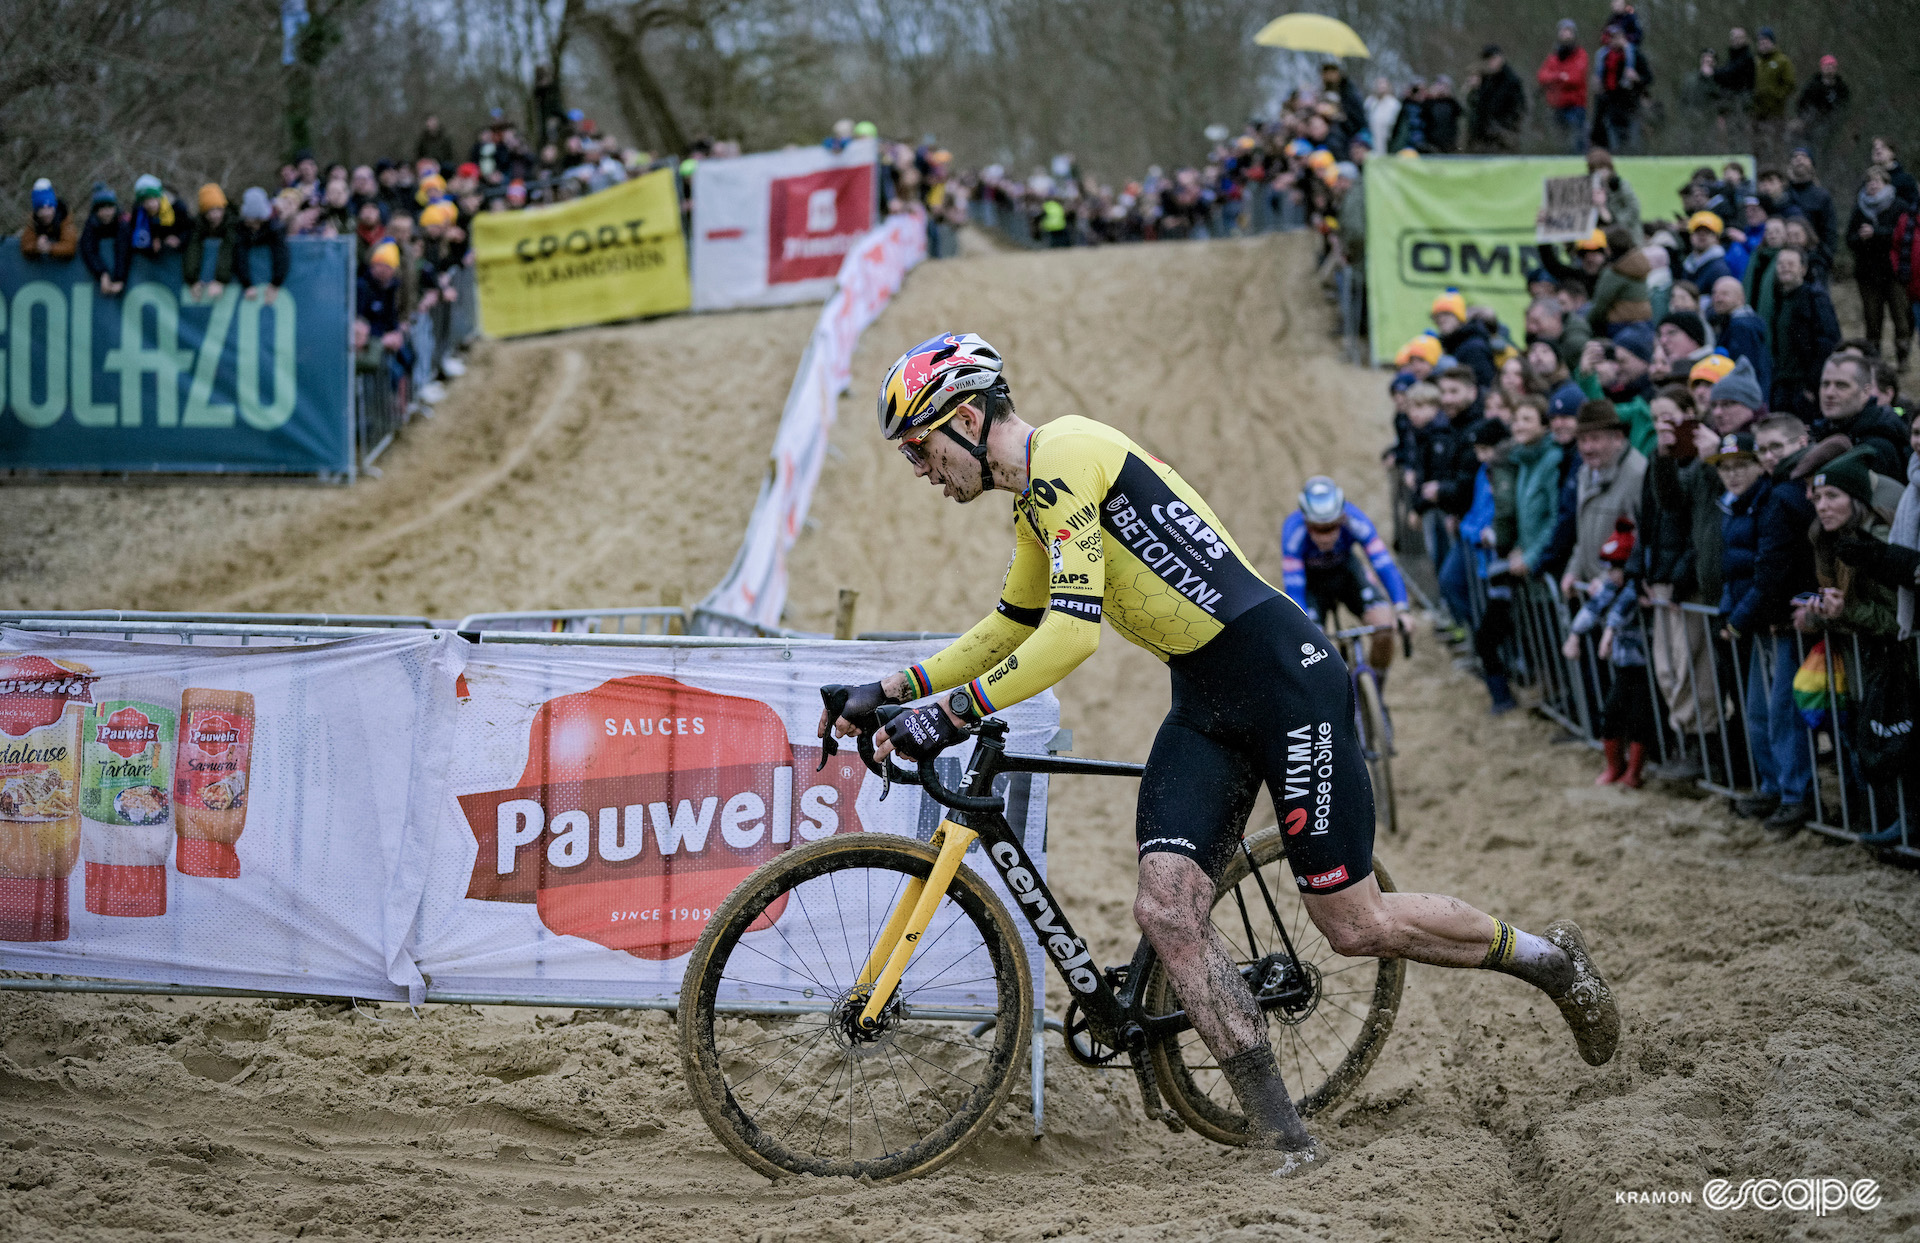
1310,32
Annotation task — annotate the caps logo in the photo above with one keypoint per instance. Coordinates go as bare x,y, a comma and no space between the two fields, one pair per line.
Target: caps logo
642,804
127,733
213,732
34,691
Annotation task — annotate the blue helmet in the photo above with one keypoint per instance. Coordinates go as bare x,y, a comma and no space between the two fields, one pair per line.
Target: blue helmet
1322,501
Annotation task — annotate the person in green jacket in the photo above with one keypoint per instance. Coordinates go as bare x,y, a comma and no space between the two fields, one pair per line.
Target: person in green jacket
1536,487
1759,275
1617,370
1621,296
1773,78
1842,494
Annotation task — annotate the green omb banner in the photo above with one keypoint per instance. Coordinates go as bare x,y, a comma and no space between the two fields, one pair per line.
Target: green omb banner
153,380
1468,223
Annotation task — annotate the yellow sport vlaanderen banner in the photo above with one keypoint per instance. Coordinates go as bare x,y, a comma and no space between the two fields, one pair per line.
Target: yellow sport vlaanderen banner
1467,223
618,254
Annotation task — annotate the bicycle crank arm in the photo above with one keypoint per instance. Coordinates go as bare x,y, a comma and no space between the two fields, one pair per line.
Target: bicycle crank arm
951,840
1150,1092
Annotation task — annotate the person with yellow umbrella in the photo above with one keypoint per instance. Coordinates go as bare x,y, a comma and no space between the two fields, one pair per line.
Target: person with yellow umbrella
1313,32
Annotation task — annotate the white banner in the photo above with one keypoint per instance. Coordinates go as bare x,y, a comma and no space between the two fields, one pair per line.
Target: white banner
603,802
383,815
773,229
755,586
230,816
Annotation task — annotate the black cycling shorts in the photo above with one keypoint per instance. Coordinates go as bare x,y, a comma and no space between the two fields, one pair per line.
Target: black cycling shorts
1269,700
1346,585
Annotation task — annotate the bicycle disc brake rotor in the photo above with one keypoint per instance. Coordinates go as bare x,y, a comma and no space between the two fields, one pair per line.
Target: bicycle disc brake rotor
1287,989
844,1021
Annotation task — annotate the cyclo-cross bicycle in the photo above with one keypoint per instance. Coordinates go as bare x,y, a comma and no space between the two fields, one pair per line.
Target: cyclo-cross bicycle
1370,719
838,1071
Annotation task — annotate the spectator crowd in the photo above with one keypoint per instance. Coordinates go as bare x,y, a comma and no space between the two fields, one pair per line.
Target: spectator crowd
1678,421
410,220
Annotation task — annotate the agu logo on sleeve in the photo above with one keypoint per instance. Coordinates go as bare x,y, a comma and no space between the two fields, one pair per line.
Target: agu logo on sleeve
814,220
644,802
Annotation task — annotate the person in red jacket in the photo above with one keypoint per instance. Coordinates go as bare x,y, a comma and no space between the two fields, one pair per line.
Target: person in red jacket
1563,79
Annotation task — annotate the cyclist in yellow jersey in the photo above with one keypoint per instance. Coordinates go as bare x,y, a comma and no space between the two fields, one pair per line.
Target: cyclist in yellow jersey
1102,528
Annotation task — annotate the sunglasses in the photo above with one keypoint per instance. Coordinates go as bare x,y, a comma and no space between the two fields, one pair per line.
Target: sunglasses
911,447
1323,528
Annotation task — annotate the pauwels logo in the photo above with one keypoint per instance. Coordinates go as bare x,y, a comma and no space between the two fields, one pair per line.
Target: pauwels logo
1069,951
643,803
127,733
34,691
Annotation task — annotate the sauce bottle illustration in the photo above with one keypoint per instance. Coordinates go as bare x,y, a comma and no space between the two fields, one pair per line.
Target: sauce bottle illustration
210,780
126,795
42,703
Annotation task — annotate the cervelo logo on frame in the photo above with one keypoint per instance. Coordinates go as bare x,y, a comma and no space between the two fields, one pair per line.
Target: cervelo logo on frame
643,803
1818,1196
1069,951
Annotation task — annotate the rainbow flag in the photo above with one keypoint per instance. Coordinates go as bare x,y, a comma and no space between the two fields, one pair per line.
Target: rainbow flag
1810,685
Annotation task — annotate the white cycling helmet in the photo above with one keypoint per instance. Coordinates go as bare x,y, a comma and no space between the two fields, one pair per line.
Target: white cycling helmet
1322,502
928,381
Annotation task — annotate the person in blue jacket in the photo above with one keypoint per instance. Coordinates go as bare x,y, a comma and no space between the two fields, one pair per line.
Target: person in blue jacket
1331,553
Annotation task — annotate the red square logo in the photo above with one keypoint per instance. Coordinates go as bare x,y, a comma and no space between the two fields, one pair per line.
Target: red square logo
1328,878
813,221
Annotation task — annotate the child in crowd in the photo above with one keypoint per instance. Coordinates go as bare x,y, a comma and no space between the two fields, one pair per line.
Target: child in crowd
1613,604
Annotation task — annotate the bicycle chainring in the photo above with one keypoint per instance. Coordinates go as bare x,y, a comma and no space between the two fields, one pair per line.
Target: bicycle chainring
1081,1046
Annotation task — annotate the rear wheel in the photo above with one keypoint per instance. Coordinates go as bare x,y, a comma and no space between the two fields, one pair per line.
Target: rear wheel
1325,1043
769,1038
1376,740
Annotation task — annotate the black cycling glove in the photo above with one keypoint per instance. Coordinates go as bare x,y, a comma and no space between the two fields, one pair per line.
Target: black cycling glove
862,702
922,733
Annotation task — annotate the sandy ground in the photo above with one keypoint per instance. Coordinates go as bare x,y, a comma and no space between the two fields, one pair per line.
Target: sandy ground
1771,990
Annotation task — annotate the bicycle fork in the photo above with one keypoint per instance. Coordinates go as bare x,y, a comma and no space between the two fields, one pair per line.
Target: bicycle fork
894,949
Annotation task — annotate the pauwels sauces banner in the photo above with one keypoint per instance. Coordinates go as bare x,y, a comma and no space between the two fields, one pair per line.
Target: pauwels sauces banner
774,228
643,803
602,802
617,254
244,814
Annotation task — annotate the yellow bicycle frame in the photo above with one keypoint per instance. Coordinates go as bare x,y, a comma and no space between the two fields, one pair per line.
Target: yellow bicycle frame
910,918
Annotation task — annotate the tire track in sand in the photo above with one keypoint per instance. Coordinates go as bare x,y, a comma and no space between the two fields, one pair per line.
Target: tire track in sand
573,367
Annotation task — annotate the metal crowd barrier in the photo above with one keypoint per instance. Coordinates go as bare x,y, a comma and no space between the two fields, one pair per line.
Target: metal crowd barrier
383,403
1700,714
660,620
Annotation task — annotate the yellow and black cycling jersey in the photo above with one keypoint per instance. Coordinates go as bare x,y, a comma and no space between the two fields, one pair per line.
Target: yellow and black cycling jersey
1104,528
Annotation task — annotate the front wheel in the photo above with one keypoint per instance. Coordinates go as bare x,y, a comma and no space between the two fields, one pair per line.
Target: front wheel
1324,1043
769,1039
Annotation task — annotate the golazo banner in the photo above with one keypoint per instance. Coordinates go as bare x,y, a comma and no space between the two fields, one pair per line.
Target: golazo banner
231,816
755,586
774,228
156,380
1469,224
603,802
617,254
